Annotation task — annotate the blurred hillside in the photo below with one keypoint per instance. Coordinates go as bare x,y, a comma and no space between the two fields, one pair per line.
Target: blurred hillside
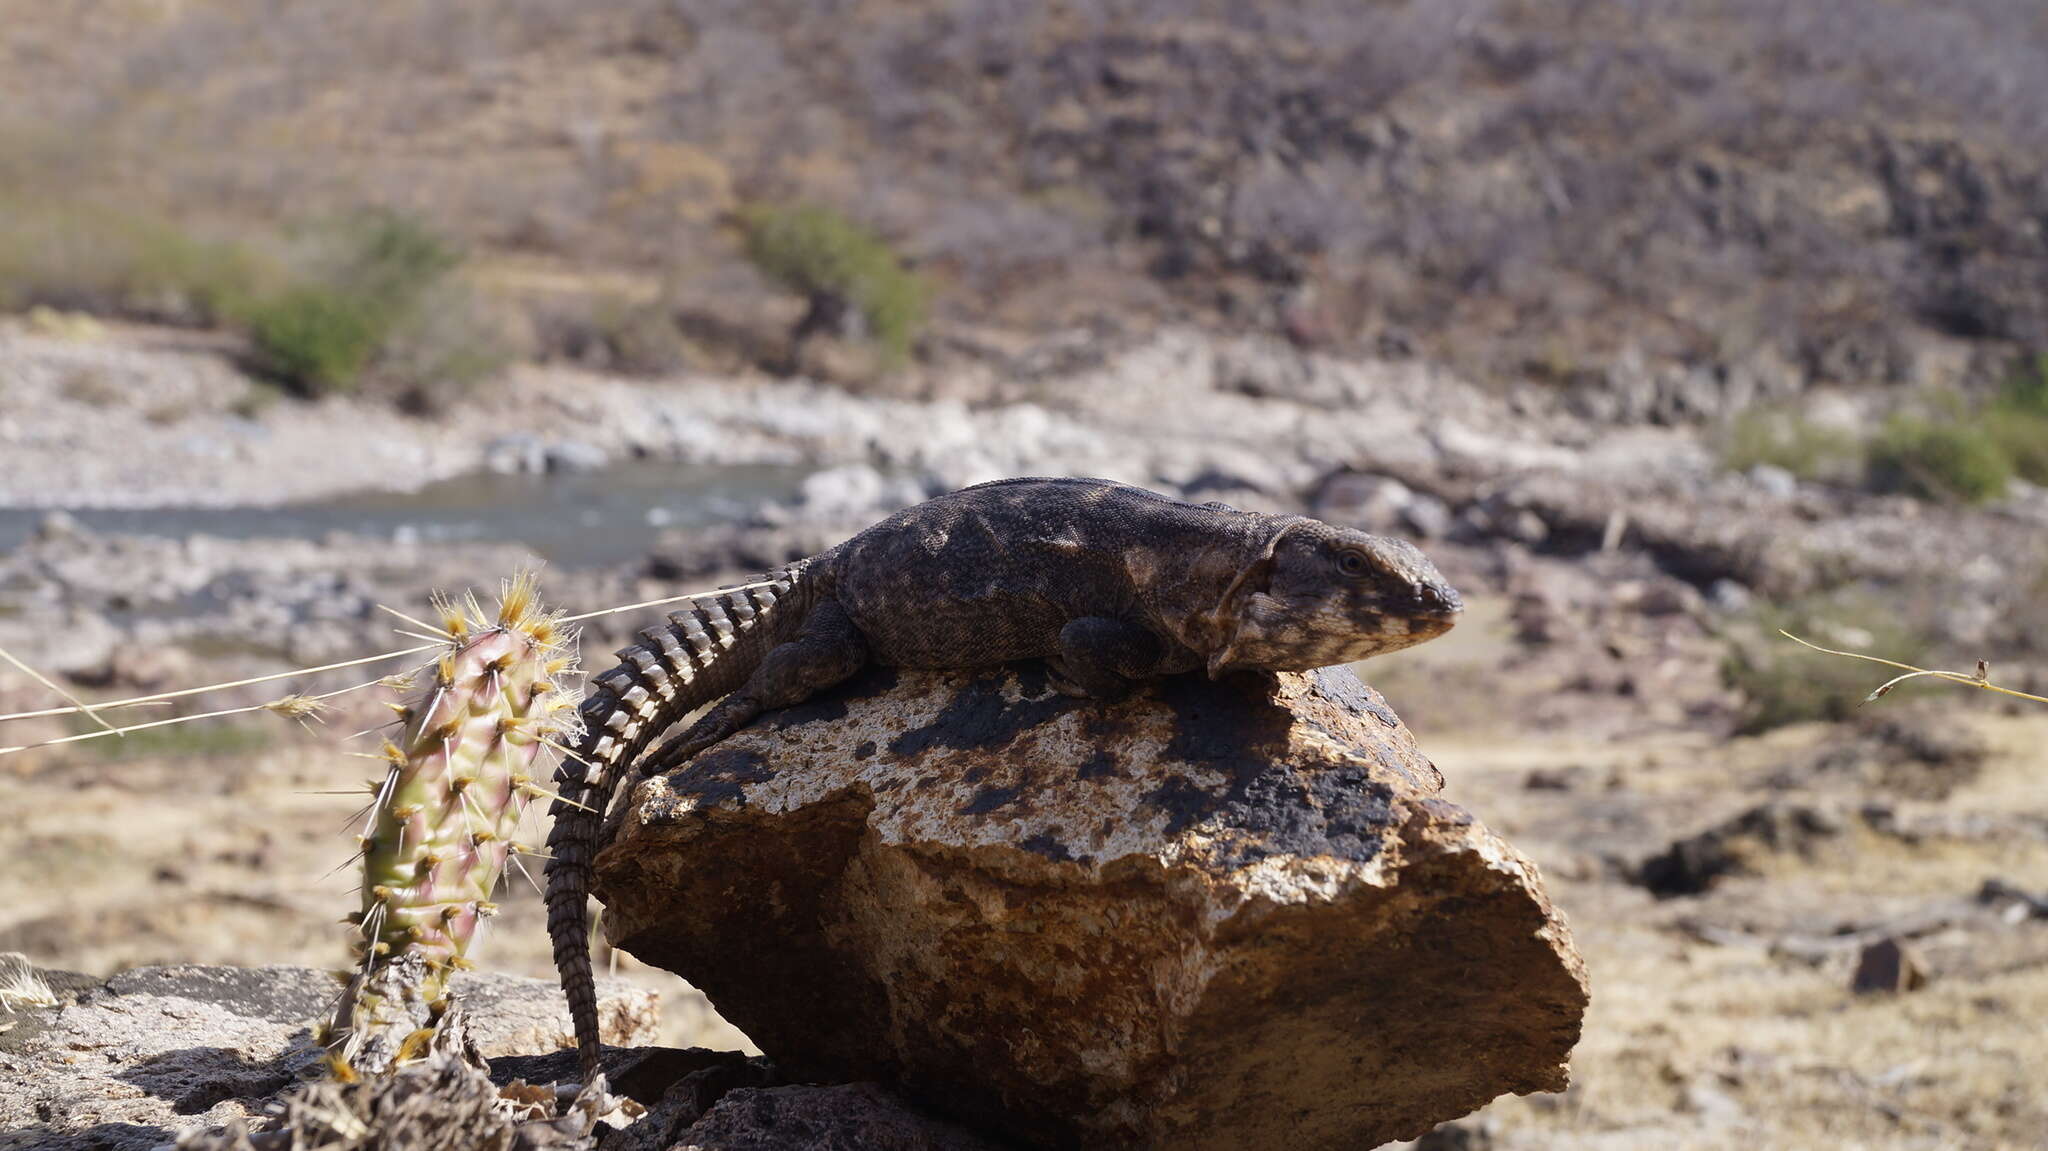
1667,207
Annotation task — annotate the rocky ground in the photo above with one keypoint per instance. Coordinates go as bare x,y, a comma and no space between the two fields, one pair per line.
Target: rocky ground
1723,887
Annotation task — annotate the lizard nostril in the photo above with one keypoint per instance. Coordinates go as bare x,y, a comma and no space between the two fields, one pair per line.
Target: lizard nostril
1442,598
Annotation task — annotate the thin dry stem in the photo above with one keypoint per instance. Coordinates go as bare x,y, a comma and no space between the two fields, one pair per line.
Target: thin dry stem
182,693
80,706
296,706
417,622
667,600
1980,679
40,678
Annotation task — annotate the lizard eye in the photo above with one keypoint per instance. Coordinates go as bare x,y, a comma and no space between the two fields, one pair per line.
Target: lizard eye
1353,563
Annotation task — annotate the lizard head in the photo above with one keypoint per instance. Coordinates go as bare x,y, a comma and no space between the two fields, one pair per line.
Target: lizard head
1327,595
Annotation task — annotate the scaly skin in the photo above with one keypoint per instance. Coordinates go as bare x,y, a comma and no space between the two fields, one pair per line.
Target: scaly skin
1110,584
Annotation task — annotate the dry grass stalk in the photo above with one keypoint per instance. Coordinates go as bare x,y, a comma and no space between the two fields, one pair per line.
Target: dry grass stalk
1979,679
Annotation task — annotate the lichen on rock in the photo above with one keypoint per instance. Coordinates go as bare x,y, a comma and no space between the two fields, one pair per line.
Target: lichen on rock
1216,914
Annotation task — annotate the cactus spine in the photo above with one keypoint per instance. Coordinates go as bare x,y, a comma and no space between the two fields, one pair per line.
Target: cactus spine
464,767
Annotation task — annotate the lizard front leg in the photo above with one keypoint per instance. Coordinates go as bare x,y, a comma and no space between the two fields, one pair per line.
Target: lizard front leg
828,651
1100,657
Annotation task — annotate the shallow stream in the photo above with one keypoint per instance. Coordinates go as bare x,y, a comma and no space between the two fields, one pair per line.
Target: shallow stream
573,519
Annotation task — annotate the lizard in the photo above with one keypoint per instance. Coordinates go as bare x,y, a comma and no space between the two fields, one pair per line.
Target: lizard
1109,584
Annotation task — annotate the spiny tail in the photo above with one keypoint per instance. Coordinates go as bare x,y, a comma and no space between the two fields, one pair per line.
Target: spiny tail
701,654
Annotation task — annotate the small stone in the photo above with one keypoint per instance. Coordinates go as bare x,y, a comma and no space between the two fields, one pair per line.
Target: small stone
1710,1102
574,456
1525,526
1552,778
1373,503
517,453
1428,517
58,525
1728,596
1774,481
851,492
1887,965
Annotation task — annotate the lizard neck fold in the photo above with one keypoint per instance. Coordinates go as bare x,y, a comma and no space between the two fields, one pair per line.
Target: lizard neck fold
1200,598
1226,621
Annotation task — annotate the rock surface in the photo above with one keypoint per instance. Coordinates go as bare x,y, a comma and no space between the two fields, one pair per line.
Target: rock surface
128,1063
849,1117
1215,915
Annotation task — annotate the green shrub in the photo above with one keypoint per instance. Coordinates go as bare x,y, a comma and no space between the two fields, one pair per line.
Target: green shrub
1943,458
393,258
384,294
2023,437
2026,386
1782,683
316,339
2018,419
838,264
1782,438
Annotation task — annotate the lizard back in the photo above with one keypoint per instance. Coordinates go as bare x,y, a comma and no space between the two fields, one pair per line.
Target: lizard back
996,569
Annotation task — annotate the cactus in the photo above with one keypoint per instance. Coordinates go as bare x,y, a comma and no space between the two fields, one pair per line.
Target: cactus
464,766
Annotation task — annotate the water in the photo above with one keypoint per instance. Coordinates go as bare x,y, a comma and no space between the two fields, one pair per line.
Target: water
579,519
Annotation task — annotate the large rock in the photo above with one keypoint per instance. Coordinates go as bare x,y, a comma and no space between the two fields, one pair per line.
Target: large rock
1228,914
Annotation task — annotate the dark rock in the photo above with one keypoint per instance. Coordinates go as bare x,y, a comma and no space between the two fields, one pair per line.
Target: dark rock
1462,1136
1553,778
677,1087
643,1074
850,1117
1887,965
1999,893
1918,755
575,456
1261,927
1697,862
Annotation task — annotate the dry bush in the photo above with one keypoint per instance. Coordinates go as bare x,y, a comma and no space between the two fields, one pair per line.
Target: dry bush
84,254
